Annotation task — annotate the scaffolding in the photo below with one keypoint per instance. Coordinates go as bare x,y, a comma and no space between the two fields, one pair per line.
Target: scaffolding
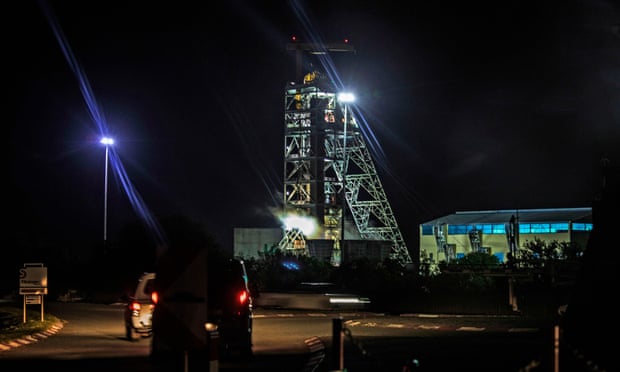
328,169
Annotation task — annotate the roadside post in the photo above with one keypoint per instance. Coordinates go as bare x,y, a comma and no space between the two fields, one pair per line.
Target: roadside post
33,285
337,345
213,341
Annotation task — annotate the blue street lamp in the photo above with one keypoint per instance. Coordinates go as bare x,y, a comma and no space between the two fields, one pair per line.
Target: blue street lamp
107,142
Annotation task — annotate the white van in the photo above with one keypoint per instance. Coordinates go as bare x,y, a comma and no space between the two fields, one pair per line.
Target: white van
139,309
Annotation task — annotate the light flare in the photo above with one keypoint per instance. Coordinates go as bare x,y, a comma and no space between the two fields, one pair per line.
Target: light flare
96,114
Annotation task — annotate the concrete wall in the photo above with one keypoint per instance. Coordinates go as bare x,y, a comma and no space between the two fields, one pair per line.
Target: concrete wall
249,241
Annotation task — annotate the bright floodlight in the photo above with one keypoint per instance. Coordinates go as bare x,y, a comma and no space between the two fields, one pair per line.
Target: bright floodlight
346,97
305,224
107,141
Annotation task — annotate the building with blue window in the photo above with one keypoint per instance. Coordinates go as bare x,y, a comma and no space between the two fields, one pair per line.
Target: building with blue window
501,232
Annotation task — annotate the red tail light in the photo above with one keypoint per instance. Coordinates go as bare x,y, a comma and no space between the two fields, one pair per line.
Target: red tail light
135,306
154,297
243,297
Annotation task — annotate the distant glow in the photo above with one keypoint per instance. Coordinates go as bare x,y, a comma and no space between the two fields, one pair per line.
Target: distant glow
346,97
305,224
348,300
107,141
290,265
211,327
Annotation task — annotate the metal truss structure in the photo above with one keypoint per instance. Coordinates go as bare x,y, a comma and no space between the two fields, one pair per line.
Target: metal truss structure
328,168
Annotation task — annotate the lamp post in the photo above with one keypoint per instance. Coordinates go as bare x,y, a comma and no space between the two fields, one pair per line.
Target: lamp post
345,98
107,142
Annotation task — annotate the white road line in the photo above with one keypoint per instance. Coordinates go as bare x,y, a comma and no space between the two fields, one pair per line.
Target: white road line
474,329
427,327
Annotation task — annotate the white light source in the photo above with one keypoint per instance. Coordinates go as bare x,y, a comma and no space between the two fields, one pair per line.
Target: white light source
305,224
346,97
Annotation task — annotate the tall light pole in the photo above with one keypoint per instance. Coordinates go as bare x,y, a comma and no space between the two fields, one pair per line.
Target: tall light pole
345,98
107,142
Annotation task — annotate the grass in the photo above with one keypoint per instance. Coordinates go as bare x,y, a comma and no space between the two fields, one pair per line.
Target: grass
13,327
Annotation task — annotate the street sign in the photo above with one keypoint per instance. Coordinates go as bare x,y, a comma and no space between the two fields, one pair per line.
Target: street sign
33,291
33,299
32,276
33,285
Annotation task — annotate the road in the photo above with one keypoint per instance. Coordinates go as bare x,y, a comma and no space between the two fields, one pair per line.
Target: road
92,339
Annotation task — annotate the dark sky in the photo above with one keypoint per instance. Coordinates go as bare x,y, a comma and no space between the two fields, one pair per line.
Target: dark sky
474,105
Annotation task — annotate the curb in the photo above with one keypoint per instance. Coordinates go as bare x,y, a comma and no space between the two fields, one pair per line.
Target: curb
316,355
26,340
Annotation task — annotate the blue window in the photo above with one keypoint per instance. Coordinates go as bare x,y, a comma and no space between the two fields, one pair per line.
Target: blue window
427,229
457,229
559,227
540,228
582,227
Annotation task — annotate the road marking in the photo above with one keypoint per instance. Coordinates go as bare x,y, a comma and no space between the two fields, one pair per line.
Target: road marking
314,344
474,329
427,327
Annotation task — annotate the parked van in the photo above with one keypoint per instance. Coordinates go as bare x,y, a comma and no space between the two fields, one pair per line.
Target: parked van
139,308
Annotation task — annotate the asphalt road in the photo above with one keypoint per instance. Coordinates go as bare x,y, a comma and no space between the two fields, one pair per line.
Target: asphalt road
92,338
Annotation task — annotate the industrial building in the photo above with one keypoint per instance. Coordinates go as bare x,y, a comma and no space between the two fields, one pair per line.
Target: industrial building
500,232
257,242
333,196
335,207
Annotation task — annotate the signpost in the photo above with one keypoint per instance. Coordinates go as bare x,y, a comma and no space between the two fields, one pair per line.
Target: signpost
33,285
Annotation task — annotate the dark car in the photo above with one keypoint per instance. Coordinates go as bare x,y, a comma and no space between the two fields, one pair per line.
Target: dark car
196,311
231,308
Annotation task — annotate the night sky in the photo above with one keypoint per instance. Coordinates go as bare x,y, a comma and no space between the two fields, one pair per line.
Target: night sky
473,105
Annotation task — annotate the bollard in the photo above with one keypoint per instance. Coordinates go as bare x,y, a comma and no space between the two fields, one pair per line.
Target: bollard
556,348
213,342
337,345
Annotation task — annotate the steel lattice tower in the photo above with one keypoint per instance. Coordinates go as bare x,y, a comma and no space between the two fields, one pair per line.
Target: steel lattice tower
328,169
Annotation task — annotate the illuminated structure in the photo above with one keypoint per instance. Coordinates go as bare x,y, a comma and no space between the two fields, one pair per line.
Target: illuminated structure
502,233
328,167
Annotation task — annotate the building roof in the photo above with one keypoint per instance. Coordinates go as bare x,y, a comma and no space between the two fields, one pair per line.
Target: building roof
523,216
